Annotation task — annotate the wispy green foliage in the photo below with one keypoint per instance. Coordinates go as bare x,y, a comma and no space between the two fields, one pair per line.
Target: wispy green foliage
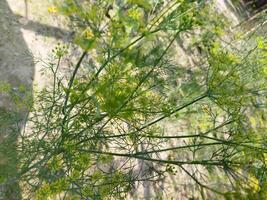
92,129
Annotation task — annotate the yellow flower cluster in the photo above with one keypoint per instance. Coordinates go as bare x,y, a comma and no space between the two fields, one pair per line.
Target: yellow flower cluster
88,34
134,13
52,9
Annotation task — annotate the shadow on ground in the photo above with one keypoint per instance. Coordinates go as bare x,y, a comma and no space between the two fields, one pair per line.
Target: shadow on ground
16,75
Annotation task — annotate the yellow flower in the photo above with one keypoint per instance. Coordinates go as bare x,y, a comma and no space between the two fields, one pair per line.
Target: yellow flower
253,121
134,14
52,9
234,58
88,34
254,183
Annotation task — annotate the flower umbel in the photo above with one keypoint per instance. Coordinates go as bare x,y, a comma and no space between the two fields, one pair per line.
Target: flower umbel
52,9
88,34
